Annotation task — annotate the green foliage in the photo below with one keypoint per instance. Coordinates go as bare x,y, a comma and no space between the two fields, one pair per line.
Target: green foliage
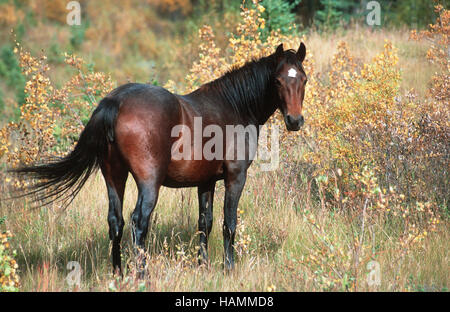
331,14
78,34
2,106
279,16
55,54
11,73
414,13
334,13
155,82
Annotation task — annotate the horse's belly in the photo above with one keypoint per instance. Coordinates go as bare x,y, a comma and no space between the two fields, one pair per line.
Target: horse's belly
186,173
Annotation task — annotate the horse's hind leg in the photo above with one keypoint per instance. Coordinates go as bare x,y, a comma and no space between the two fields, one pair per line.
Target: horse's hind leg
115,174
143,135
148,190
147,198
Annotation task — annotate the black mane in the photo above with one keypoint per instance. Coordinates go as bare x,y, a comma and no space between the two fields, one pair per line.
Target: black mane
246,88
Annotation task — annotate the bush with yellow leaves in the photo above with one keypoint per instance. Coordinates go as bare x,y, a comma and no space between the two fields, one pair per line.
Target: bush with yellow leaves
51,119
9,278
245,44
438,53
379,157
359,119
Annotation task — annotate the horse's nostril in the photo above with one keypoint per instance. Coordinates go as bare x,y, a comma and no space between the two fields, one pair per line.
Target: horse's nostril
301,121
295,120
290,119
294,123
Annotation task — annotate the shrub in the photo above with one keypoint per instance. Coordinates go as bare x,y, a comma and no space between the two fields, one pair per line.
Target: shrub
334,13
11,73
416,13
9,279
51,119
173,6
279,16
2,102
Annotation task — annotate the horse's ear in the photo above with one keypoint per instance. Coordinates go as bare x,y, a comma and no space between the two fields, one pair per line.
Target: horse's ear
301,52
279,50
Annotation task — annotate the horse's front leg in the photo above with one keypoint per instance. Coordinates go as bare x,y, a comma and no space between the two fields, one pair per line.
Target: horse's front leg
205,219
234,183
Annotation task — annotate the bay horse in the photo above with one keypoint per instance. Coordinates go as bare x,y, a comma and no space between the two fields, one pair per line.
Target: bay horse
130,132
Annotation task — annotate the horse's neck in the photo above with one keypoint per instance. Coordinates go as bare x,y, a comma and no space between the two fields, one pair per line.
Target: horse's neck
271,108
255,109
203,96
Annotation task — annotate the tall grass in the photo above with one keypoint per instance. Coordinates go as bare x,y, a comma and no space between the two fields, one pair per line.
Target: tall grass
277,213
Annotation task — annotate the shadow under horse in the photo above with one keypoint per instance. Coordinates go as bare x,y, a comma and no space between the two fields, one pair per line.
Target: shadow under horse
132,130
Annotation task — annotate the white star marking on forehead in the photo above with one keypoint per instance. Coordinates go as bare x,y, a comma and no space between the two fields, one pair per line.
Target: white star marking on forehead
292,73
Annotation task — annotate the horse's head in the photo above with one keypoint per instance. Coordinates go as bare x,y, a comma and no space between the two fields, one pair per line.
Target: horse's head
290,81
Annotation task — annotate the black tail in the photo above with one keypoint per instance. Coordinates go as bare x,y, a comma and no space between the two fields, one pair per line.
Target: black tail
63,178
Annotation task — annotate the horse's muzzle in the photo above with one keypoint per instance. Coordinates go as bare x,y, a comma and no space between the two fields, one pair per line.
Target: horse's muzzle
294,123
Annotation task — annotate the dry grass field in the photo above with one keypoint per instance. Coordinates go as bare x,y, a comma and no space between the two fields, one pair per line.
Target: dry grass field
276,237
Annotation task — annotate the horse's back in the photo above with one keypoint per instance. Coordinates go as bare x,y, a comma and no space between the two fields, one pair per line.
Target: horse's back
145,95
